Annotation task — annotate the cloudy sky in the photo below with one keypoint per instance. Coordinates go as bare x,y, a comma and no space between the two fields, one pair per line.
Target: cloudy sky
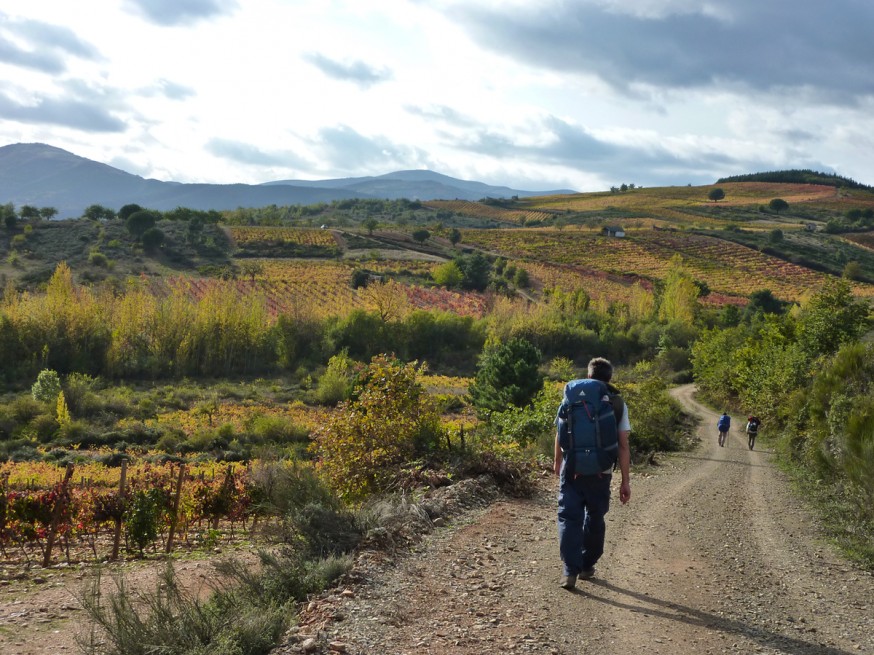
534,94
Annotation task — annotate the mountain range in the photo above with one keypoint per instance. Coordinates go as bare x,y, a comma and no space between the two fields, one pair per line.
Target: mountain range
45,176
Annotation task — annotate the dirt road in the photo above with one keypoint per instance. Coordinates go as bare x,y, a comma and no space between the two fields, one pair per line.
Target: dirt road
712,555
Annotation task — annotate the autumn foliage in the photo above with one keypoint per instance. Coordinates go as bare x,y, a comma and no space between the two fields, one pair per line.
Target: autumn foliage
389,422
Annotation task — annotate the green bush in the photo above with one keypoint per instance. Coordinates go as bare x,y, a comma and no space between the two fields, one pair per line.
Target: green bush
335,384
285,575
442,338
19,450
96,258
533,424
657,419
561,369
152,239
284,486
359,278
321,529
838,440
555,339
24,409
448,275
363,335
521,278
43,427
299,341
142,516
79,394
74,432
277,430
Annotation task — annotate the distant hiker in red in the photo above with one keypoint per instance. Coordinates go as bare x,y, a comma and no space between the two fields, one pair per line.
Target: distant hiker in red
753,424
591,439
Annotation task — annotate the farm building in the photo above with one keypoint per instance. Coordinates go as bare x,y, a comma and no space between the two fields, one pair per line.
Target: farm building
613,231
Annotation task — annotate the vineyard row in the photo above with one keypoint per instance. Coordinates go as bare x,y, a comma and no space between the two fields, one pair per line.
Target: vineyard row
157,509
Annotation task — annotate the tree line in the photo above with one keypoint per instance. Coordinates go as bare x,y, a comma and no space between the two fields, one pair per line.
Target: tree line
798,176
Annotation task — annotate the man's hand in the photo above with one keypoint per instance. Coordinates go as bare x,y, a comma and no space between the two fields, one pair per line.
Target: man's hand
557,457
625,492
624,467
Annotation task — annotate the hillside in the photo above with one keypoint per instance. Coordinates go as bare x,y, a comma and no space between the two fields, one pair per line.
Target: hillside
44,176
744,202
821,228
735,246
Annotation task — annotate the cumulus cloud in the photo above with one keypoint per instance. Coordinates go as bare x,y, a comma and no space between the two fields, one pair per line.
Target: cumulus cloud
554,142
245,153
357,72
40,46
169,90
180,12
66,112
443,114
777,46
343,148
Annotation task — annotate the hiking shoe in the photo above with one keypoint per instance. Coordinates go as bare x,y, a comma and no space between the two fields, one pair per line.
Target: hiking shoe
569,582
587,574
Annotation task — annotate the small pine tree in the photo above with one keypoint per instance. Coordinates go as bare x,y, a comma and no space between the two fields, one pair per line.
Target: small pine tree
507,374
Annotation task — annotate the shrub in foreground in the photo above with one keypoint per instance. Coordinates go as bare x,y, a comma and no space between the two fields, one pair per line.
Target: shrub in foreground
390,420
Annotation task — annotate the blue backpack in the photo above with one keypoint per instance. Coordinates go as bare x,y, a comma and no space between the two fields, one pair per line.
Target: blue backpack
724,423
588,427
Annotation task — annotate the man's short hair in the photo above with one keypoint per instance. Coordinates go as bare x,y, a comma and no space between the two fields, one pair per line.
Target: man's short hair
600,369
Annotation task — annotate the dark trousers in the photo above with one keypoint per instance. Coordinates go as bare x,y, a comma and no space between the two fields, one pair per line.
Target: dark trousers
582,504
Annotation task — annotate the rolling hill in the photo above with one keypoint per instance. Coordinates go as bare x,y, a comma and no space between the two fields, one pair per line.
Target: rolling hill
45,176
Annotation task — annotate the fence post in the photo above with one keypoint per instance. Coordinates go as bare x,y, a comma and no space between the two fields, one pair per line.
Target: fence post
56,515
174,517
4,501
121,491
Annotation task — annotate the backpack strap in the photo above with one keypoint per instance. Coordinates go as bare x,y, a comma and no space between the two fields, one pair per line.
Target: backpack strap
618,403
618,411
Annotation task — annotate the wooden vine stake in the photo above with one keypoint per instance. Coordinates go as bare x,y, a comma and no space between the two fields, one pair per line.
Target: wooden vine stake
118,520
4,506
56,515
174,517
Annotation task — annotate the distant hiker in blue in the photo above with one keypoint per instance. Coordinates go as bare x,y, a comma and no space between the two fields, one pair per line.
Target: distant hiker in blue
591,439
723,425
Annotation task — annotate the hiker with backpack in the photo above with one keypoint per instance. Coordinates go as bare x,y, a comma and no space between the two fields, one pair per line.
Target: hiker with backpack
591,439
753,424
723,425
